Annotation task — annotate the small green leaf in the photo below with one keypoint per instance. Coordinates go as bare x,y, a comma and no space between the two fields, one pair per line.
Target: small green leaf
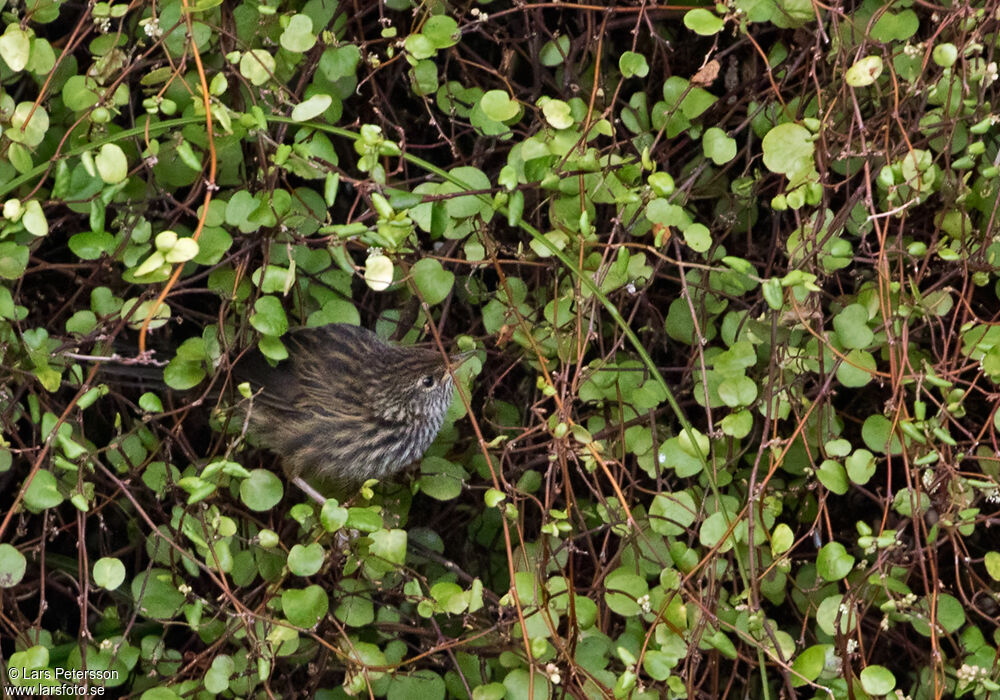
782,539
433,281
34,218
877,680
12,566
28,124
672,513
183,250
810,663
441,31
945,55
703,22
109,573
864,72
860,466
112,165
43,492
718,146
257,66
261,491
622,592
554,52
440,479
833,476
633,64
833,562
305,607
737,391
305,560
419,46
557,113
788,148
379,272
852,328
15,47
498,106
298,36
311,108
737,424
150,403
856,369
269,317
698,237
424,684
90,245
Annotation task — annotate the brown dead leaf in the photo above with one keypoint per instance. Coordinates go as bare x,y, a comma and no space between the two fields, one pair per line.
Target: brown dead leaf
707,74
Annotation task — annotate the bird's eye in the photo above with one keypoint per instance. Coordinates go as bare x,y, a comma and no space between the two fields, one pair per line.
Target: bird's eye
427,381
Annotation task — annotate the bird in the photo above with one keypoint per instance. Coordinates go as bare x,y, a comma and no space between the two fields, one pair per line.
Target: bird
345,406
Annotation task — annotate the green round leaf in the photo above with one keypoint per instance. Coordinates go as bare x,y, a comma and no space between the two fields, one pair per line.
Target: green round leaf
633,64
860,466
441,31
554,52
833,562
305,560
856,369
788,148
15,47
737,391
698,237
782,539
622,592
43,492
311,108
737,424
183,250
112,165
261,491
714,528
433,281
424,684
91,245
109,573
269,317
298,36
305,607
852,328
558,114
992,562
877,680
810,663
717,146
864,72
833,476
672,513
703,22
257,66
379,272
28,124
878,435
498,106
12,566
34,219
419,46
945,55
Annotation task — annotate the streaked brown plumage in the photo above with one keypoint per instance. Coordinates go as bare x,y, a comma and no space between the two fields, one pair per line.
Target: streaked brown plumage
346,405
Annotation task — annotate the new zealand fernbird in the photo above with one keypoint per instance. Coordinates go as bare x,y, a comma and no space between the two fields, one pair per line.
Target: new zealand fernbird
346,406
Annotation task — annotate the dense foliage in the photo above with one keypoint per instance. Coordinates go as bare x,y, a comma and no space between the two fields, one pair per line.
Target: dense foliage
731,276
